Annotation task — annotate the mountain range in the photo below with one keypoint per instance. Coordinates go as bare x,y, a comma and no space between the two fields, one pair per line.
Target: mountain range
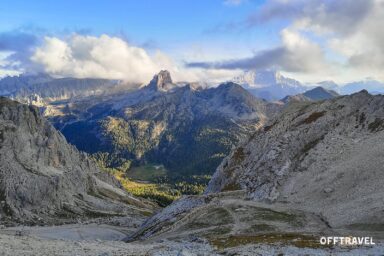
272,85
41,89
288,172
186,128
162,122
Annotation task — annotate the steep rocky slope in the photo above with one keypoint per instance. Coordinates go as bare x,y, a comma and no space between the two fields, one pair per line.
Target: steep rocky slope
43,179
315,170
325,157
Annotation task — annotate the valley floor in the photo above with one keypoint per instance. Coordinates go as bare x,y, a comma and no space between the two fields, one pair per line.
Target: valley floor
56,241
103,238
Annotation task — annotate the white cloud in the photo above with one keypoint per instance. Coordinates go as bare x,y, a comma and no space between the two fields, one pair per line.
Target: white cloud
353,32
364,48
5,65
340,40
103,57
295,54
302,54
112,58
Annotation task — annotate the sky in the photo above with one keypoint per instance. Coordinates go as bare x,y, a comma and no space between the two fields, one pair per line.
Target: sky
213,40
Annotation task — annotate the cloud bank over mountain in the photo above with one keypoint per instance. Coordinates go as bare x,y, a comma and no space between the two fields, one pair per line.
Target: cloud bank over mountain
332,39
103,57
83,56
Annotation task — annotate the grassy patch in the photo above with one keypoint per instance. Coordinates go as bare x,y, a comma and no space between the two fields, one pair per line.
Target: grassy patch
238,155
269,127
146,172
263,214
298,240
312,117
367,227
307,147
262,227
161,194
214,217
214,232
159,188
376,125
232,186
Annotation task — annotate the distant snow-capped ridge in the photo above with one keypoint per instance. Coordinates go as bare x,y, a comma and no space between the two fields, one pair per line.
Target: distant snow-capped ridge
269,84
260,79
272,85
372,86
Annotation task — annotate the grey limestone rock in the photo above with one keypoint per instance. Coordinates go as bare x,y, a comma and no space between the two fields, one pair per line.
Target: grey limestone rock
325,157
43,178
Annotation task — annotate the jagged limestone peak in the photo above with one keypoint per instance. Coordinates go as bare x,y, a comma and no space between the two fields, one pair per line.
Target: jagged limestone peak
161,81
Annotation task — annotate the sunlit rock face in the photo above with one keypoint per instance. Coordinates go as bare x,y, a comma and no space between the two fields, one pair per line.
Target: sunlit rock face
324,157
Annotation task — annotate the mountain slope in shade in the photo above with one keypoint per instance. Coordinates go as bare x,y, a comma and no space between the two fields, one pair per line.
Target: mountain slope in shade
10,85
325,157
43,179
317,93
320,93
186,128
269,85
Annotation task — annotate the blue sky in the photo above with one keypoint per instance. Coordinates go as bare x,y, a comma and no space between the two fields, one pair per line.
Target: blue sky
216,38
142,21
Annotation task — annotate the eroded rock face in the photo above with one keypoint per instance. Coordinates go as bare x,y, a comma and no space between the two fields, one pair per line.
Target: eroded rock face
43,177
161,81
324,157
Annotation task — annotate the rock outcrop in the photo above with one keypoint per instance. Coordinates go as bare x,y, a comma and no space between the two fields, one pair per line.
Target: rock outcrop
161,81
44,179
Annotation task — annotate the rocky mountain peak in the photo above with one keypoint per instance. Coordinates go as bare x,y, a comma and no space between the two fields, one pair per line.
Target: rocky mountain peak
161,81
320,93
315,94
